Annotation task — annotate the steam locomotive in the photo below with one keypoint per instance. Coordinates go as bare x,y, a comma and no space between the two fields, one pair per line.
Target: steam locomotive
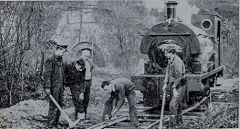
198,45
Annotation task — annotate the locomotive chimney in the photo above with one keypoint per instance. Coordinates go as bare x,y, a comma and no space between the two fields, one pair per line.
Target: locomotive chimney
171,10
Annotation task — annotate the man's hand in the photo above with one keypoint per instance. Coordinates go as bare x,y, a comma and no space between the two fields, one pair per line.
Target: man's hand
81,96
47,91
164,87
47,84
175,92
113,112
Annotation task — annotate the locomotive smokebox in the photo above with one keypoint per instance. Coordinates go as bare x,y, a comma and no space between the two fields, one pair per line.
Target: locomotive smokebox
171,10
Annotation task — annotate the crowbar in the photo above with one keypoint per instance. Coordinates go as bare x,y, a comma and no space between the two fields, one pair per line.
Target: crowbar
162,110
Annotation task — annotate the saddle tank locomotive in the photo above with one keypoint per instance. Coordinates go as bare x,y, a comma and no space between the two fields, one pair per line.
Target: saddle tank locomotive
191,41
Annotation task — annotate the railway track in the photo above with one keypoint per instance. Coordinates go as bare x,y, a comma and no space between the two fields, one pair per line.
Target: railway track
149,117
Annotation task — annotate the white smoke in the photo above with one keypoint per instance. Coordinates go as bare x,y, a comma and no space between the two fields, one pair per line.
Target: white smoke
185,12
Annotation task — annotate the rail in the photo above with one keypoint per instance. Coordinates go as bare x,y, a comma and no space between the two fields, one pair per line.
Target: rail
116,120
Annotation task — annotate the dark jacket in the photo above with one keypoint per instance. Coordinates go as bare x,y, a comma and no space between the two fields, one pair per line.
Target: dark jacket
73,76
123,87
54,72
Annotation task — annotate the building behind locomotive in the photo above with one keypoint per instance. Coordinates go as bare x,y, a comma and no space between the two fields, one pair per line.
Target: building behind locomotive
188,42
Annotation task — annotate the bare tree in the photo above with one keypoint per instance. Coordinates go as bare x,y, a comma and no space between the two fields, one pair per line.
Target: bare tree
122,26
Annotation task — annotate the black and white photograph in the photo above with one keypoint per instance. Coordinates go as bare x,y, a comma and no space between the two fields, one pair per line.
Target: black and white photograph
119,64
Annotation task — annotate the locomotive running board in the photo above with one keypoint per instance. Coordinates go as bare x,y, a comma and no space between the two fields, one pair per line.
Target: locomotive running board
208,74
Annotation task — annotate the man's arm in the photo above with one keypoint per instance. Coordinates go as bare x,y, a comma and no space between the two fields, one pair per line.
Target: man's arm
166,75
115,100
121,97
92,65
67,74
47,73
180,73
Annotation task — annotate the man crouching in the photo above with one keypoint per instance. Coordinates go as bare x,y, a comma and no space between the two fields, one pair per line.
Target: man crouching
119,89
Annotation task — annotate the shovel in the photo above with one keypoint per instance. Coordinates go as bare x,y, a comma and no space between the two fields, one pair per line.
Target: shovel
70,123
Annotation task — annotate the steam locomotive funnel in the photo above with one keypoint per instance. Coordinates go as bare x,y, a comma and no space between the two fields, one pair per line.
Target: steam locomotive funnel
171,10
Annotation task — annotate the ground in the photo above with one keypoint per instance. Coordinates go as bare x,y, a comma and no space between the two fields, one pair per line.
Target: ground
31,113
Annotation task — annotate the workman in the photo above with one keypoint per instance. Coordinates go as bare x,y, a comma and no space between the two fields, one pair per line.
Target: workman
175,79
54,78
119,89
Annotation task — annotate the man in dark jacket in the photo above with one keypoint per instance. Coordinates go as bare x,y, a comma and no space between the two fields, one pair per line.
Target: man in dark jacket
174,78
75,73
89,66
119,89
54,83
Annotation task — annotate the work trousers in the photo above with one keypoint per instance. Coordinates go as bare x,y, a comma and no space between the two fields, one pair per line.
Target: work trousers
88,84
76,89
176,104
131,97
54,113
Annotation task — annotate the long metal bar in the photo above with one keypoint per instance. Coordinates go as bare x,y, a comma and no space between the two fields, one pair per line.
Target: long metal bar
138,108
143,120
111,122
149,115
116,120
162,109
196,105
154,124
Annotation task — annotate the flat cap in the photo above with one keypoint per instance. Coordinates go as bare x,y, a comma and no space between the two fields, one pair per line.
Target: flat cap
58,44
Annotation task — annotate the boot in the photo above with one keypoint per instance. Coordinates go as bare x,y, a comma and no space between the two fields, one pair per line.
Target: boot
171,122
179,119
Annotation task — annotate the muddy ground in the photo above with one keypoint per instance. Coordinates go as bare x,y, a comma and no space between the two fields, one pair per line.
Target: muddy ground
31,113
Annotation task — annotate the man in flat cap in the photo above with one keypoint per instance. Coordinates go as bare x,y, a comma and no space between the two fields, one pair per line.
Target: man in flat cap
174,78
54,82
